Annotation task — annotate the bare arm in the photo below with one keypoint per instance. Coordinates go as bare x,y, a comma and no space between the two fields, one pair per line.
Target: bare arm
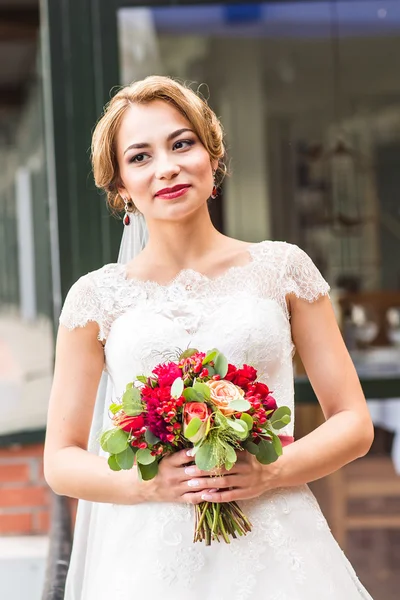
69,468
347,432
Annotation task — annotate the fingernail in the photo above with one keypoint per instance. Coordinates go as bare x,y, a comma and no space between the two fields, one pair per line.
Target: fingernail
190,470
206,497
189,453
193,482
211,491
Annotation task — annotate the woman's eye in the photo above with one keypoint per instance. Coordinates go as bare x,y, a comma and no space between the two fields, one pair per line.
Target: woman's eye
138,158
183,144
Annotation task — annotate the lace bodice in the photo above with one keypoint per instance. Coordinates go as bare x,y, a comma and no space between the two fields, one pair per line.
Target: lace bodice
244,313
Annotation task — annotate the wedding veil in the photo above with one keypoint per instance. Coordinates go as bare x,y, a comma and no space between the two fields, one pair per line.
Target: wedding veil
134,239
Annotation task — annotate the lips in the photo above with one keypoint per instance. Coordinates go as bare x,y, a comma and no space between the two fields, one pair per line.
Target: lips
173,192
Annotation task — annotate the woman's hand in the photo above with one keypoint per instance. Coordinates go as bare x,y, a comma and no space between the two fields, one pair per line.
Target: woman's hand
247,479
175,481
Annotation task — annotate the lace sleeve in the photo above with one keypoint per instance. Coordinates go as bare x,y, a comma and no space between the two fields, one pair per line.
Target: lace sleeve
302,277
82,305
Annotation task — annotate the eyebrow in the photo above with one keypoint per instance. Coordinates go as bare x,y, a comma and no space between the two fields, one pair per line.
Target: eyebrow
171,136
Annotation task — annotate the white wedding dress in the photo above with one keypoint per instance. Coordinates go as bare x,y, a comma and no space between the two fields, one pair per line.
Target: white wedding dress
146,550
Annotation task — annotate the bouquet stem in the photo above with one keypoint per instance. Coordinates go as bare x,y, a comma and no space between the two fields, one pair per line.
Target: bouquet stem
213,520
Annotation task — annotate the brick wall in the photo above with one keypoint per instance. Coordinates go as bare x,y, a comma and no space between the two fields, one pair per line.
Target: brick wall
24,494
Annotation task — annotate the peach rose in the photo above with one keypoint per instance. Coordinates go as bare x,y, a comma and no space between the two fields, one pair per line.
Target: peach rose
222,393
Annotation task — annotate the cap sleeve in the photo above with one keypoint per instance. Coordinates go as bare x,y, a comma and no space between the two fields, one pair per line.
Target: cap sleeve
302,277
83,305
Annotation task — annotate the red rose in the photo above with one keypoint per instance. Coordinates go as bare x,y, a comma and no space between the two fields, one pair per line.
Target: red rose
128,423
167,373
232,370
241,377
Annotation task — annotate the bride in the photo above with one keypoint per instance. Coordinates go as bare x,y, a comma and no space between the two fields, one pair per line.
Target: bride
158,152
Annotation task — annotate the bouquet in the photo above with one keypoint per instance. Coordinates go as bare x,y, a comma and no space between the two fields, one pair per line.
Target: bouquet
201,402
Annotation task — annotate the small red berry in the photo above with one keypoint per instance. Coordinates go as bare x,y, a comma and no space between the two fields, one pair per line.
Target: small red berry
142,445
170,437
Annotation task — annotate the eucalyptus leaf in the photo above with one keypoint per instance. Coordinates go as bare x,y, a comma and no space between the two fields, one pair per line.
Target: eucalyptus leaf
221,365
147,472
142,379
129,385
117,441
188,353
211,355
211,371
125,459
202,389
266,453
192,428
237,425
281,417
104,439
177,388
144,456
240,405
191,395
112,463
205,457
251,447
248,419
228,465
277,444
150,437
230,454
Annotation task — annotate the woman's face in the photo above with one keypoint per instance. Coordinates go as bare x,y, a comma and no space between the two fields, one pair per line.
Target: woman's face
164,168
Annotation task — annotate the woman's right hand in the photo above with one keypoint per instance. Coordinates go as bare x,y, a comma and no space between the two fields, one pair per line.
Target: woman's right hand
171,484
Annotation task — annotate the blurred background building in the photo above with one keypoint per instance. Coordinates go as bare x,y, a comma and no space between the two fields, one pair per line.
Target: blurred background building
309,95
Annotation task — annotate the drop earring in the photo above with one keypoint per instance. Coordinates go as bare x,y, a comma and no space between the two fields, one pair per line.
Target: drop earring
128,209
214,192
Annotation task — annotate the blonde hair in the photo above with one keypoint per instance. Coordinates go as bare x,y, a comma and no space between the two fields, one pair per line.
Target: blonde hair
190,104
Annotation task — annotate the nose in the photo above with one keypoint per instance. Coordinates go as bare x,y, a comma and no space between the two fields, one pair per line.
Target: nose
167,168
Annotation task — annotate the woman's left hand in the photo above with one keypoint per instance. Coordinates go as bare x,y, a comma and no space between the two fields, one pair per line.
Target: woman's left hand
247,479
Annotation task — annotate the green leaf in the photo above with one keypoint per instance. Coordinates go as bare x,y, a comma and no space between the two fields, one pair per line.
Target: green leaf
281,417
104,439
191,395
266,453
150,437
188,353
147,472
192,428
142,378
202,389
205,457
211,355
144,456
228,465
251,447
221,365
248,419
132,403
240,405
211,371
114,408
277,444
126,458
117,441
230,454
237,425
112,463
177,388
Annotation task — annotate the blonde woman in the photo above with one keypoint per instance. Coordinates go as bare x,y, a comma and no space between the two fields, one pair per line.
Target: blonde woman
158,150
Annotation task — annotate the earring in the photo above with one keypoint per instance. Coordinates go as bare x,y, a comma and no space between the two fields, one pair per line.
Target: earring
128,209
214,192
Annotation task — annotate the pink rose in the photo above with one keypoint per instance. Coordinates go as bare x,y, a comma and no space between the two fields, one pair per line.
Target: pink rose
223,393
199,410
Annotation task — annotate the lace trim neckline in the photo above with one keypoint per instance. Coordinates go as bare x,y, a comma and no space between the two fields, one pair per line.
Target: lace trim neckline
191,274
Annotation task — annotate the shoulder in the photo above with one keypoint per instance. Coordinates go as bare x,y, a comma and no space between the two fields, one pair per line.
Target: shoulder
91,297
294,269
